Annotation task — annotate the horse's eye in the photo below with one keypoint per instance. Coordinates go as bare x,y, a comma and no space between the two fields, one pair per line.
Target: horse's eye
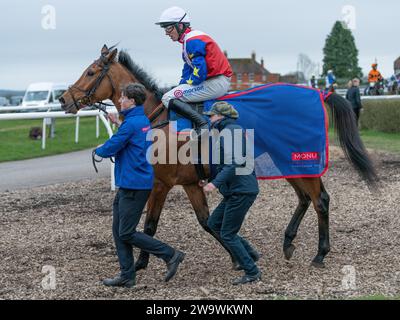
90,73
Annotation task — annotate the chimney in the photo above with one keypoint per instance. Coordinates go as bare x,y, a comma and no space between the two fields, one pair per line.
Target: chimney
253,56
262,62
226,53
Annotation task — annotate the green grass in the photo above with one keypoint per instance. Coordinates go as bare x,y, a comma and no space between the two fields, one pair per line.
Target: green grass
389,142
15,143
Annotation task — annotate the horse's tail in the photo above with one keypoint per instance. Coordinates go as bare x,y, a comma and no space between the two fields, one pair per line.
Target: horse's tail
346,128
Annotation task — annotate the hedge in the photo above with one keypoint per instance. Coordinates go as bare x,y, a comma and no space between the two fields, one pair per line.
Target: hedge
381,115
377,115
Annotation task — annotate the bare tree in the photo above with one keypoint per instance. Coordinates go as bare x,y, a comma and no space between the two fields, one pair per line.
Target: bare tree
306,66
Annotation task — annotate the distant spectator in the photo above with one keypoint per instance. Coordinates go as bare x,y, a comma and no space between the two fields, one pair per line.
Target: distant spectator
313,82
330,80
394,84
349,84
353,95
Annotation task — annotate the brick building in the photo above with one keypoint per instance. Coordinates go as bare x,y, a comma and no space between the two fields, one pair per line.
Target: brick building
247,73
397,66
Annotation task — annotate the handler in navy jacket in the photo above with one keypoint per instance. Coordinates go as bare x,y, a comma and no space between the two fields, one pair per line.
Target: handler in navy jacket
134,177
239,191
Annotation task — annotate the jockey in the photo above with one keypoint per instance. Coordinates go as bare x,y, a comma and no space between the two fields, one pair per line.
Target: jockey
374,75
330,79
206,72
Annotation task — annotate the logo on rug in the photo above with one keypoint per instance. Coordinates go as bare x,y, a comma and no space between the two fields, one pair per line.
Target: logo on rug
305,156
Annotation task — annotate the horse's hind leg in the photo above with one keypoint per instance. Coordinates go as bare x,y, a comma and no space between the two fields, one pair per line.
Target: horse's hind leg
291,230
199,202
154,207
321,205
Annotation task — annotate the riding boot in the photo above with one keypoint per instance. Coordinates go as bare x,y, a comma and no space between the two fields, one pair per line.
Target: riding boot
187,111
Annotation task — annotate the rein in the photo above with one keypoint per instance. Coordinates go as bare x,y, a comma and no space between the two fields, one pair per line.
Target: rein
94,160
155,114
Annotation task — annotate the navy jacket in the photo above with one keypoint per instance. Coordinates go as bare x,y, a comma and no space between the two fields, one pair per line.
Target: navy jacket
226,179
353,95
129,147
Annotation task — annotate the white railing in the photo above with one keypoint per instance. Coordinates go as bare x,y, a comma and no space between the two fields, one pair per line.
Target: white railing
48,107
380,97
54,114
342,92
55,106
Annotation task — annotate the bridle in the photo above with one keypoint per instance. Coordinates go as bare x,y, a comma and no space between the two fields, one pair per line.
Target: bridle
87,99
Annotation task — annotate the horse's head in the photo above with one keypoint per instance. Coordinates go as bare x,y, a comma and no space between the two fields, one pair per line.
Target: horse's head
94,85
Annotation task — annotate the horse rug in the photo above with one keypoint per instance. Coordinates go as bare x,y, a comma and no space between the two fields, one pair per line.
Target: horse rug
290,129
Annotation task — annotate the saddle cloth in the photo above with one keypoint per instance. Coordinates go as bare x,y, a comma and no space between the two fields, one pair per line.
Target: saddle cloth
290,129
290,126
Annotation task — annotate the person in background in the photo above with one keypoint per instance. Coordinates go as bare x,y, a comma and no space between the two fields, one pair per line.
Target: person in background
353,95
374,75
330,80
313,82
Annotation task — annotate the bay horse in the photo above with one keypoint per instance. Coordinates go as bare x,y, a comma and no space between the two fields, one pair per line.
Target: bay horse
103,80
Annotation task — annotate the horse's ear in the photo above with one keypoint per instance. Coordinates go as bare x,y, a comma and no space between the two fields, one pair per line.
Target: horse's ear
104,51
112,55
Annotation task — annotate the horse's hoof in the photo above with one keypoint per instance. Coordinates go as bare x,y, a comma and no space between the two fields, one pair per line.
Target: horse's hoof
289,251
319,265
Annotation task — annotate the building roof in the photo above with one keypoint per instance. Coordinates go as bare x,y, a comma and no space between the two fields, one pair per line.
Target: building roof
247,65
397,63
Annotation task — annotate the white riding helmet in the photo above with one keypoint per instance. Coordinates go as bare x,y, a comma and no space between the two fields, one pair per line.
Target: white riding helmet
173,15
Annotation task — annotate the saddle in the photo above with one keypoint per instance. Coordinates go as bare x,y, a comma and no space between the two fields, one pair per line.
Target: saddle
185,124
197,106
172,116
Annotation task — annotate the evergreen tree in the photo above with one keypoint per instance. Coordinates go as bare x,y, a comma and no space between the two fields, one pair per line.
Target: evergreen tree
341,54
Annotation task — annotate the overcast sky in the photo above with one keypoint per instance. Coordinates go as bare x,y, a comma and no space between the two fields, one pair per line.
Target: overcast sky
277,30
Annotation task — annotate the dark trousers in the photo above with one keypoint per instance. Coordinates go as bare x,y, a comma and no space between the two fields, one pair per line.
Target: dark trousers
226,220
127,209
357,113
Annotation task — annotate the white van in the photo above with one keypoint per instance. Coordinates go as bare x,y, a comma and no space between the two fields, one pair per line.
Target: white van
42,94
4,101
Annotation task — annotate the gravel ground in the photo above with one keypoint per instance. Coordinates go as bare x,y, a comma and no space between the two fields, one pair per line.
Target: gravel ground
68,226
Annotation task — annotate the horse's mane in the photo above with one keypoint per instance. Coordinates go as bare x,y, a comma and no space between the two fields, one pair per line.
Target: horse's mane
149,83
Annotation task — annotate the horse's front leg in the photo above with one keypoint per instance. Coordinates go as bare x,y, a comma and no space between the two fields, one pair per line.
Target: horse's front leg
154,208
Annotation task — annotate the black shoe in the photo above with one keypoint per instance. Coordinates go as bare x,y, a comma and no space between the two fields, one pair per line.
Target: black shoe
119,282
246,279
173,264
